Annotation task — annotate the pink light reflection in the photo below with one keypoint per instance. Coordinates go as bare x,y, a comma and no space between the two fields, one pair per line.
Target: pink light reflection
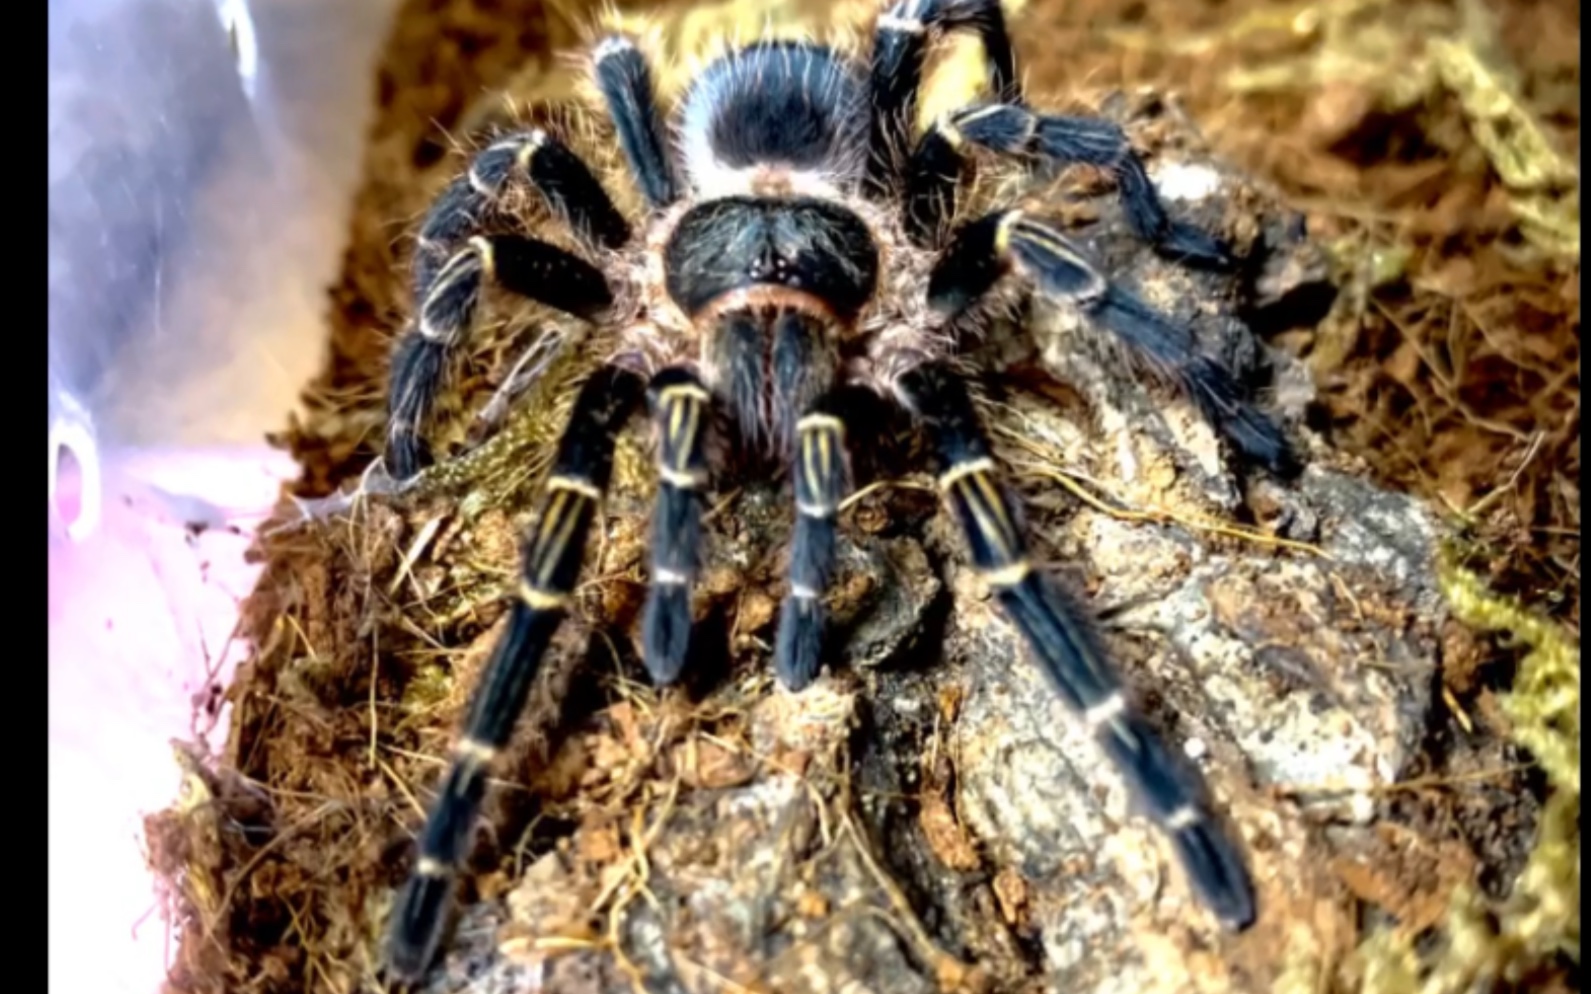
140,615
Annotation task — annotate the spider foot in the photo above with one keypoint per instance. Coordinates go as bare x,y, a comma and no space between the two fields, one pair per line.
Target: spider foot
680,415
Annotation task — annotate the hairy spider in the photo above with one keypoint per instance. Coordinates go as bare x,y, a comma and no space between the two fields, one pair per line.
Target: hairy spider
799,248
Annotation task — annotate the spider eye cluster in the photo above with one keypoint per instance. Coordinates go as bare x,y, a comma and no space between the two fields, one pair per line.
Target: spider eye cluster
805,244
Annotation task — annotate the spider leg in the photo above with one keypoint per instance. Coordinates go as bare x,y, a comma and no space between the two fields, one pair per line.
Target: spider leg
900,47
447,277
935,169
553,553
983,251
625,81
562,178
680,415
531,268
820,478
1067,650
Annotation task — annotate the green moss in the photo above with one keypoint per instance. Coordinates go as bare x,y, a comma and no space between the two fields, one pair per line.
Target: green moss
1486,945
1544,704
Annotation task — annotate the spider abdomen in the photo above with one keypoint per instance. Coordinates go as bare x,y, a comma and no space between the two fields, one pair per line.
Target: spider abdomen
785,103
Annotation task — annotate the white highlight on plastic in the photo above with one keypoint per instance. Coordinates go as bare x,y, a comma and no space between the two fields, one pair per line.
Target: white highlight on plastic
241,36
72,436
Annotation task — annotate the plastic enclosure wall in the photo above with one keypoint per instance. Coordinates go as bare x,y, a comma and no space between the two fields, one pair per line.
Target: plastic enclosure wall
202,156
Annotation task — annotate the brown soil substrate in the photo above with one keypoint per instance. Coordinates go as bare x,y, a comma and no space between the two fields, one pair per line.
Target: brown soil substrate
1447,368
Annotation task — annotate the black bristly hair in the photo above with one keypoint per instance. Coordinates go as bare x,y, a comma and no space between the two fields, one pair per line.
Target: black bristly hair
796,248
790,103
553,552
1016,131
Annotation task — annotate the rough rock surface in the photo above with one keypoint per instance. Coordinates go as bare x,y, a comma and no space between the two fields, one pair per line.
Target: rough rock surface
928,817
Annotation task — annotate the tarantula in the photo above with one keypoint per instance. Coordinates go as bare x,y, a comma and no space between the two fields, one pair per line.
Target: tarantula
800,249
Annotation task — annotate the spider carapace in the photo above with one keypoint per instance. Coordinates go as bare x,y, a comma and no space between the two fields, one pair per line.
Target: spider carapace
799,246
